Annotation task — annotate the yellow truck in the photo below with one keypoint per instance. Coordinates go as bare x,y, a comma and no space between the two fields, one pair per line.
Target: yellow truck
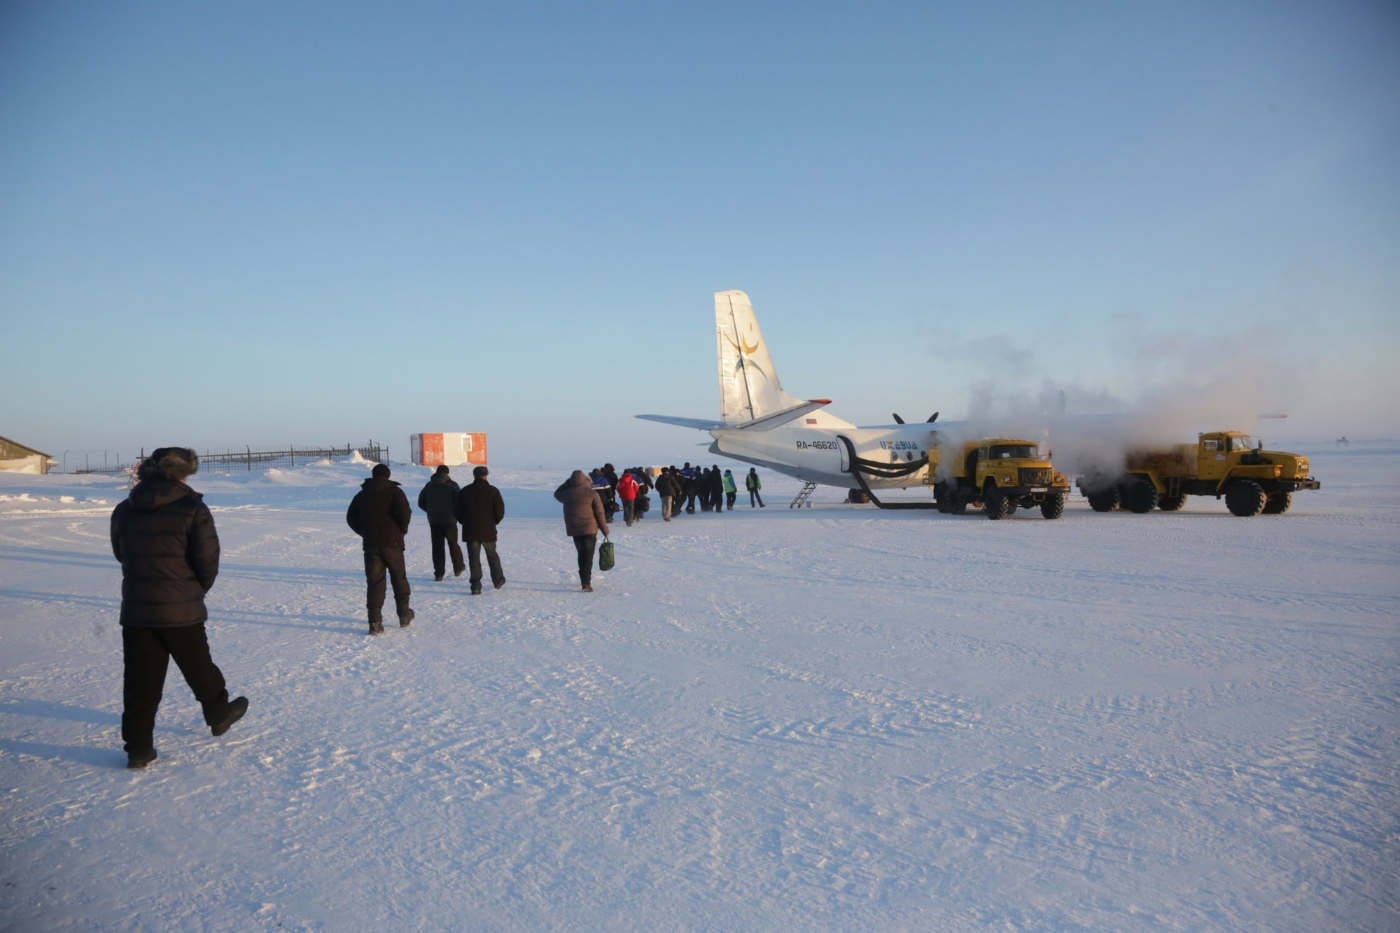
1231,464
997,474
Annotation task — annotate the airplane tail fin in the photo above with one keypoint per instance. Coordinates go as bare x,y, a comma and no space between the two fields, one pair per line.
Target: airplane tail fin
748,384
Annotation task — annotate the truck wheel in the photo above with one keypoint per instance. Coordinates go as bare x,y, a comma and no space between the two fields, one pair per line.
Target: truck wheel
1245,498
857,496
1010,507
1278,503
1104,500
957,505
994,503
1139,496
1170,503
1053,506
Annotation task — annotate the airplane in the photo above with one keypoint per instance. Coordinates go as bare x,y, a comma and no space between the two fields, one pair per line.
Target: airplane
761,424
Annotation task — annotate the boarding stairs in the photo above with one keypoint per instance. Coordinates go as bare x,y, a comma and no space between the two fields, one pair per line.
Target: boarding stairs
803,497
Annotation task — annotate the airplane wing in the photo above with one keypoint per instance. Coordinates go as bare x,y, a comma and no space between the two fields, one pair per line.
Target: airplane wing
699,424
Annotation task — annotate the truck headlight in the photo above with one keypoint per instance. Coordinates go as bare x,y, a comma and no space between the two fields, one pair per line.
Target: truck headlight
1006,480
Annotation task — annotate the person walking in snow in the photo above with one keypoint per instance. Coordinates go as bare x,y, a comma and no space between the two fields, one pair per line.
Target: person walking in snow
439,500
163,534
379,514
605,493
753,484
627,492
730,490
666,489
716,479
583,519
480,509
690,487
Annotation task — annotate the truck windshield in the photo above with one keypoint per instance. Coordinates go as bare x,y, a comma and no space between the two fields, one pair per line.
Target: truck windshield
1242,442
1010,451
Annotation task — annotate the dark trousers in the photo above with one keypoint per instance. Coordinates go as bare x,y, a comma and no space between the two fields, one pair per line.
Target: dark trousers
585,544
474,549
629,511
753,494
146,653
444,537
731,496
378,560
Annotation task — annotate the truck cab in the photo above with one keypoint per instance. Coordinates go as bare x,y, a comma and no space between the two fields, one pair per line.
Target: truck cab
1000,474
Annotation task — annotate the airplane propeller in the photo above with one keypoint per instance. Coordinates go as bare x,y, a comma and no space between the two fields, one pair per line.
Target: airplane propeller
897,419
932,418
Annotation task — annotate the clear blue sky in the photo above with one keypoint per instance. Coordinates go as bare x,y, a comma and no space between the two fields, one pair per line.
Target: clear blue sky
264,222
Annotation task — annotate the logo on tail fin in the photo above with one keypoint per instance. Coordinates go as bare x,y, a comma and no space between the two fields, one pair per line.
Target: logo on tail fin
742,347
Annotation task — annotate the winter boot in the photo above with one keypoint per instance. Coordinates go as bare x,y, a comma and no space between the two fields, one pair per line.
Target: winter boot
406,621
141,760
236,709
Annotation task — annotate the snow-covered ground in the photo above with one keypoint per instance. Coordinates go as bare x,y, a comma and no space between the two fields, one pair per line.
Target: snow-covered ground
825,719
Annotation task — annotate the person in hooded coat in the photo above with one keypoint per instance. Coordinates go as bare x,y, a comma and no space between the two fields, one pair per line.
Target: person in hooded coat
480,509
379,514
439,500
163,535
583,519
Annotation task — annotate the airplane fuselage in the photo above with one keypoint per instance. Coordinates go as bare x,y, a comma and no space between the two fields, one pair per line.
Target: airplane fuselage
811,449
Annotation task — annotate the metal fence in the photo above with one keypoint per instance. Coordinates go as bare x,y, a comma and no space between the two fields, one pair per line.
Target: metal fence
230,460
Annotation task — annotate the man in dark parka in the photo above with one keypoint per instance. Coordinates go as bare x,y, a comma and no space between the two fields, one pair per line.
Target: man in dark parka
666,489
379,514
583,519
164,536
480,509
716,479
439,500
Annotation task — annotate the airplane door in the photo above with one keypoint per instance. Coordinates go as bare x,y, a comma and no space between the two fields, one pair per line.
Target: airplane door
845,455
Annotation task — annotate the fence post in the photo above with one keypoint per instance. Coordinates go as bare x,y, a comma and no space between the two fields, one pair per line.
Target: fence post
250,457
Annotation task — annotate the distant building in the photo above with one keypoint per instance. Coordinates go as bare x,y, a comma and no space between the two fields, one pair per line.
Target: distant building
447,449
17,458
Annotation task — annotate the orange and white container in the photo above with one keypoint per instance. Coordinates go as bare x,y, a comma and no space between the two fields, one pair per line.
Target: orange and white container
448,449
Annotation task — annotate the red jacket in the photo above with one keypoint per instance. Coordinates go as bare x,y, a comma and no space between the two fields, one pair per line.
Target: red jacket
627,487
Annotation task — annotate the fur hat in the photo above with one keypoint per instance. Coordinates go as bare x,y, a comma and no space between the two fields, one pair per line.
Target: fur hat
172,463
380,471
480,471
442,468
